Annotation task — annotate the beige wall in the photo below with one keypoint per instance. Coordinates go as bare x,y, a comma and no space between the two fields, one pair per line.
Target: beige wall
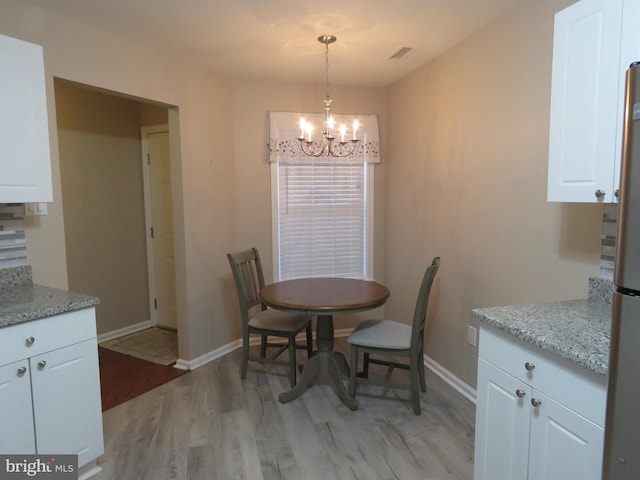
252,100
463,175
101,170
151,115
202,161
467,147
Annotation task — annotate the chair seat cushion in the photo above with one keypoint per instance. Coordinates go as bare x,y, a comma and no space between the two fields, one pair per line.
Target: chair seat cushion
381,334
270,319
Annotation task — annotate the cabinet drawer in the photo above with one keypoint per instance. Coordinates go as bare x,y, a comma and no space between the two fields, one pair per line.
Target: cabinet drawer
48,334
572,385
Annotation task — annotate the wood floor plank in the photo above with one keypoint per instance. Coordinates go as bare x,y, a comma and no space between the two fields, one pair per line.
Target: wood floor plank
210,424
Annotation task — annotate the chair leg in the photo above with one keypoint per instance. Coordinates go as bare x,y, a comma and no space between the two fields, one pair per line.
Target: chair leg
263,346
414,374
292,360
309,341
245,355
423,383
365,366
353,371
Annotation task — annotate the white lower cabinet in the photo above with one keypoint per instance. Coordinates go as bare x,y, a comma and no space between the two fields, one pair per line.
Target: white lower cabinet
501,447
50,398
537,418
66,401
563,444
17,434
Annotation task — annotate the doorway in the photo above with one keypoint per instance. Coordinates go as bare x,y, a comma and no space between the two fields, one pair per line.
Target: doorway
100,144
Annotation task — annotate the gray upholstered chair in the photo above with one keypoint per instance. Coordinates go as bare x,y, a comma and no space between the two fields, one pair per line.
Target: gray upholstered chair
257,318
389,338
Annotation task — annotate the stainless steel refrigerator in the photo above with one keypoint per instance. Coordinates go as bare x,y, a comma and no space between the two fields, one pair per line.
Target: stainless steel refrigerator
622,428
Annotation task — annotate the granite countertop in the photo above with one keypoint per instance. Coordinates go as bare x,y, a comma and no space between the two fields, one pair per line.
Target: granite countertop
578,330
22,301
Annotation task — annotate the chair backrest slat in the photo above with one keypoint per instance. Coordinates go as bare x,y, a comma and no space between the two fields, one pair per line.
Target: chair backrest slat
422,303
248,277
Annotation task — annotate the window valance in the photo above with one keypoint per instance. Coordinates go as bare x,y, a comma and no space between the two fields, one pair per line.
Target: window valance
284,130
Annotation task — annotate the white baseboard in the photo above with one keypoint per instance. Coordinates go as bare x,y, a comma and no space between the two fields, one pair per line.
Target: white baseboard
255,339
182,364
454,382
105,337
89,470
208,357
458,385
343,332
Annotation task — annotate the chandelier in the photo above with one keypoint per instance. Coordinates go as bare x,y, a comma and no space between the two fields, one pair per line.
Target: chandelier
328,145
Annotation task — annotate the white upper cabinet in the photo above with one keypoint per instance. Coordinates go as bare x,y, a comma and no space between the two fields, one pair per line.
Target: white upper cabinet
25,161
591,52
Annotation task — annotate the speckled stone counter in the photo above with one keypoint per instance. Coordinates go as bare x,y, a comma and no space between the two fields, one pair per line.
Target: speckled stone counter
14,276
578,330
22,301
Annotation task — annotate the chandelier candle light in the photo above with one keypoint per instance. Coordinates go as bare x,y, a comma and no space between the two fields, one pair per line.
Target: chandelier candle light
343,148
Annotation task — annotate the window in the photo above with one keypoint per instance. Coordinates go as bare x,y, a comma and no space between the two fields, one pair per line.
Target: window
322,213
322,207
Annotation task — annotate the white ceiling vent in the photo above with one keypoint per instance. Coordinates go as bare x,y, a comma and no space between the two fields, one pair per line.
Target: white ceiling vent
401,53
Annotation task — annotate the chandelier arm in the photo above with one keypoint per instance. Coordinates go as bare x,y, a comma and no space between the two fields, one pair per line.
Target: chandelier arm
341,154
306,149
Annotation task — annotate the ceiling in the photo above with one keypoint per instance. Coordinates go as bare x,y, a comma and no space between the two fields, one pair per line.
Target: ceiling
276,39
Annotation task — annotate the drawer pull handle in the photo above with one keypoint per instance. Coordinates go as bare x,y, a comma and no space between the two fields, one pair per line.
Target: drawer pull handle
41,364
29,341
21,371
529,366
520,393
536,402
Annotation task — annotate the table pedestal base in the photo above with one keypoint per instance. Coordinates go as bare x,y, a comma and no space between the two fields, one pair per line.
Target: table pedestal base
324,361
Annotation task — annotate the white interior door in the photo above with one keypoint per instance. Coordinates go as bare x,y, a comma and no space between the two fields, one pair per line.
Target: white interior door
160,245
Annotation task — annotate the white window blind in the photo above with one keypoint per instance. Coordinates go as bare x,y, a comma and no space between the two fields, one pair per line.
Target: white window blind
322,219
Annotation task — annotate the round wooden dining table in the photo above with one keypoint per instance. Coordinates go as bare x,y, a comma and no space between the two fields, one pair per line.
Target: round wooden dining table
324,297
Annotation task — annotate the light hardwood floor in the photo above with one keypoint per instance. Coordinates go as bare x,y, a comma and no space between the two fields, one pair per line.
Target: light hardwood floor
210,424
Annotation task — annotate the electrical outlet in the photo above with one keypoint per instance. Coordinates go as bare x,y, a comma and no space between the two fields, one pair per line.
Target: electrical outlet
35,209
472,336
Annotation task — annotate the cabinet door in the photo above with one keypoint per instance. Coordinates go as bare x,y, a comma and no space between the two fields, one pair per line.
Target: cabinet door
502,425
629,53
66,401
585,98
25,160
563,444
16,434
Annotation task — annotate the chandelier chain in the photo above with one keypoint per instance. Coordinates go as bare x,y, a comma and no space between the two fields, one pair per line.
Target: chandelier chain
326,68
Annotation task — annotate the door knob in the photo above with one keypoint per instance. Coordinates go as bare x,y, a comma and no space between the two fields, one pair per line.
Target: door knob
536,402
29,341
41,364
520,393
600,193
21,371
529,366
